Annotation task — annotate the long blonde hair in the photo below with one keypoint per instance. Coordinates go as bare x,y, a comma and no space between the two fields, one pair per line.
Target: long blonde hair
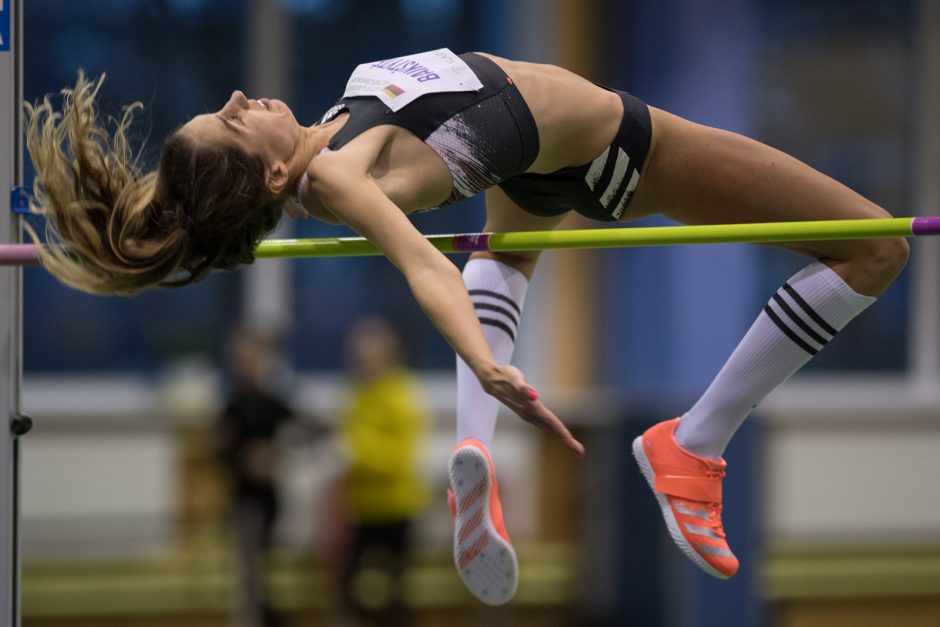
111,227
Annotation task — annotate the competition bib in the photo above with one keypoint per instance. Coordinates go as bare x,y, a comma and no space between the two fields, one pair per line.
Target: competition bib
396,82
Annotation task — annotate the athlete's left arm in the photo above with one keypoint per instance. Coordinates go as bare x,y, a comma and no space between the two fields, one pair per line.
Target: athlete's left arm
341,182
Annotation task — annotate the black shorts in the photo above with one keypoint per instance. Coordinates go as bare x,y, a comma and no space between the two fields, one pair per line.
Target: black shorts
601,189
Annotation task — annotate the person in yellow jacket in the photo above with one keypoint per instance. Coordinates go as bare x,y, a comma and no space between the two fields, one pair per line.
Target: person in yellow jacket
384,488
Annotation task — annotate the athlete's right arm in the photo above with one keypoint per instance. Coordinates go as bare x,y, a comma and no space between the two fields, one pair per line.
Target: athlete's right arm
311,205
345,189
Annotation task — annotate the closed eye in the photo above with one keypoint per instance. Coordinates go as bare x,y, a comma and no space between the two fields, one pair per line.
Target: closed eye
228,121
230,112
236,115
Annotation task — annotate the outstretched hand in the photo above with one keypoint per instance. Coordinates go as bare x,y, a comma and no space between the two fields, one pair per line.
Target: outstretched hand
508,385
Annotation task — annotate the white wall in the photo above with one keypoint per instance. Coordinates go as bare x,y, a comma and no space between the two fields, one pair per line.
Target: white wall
859,469
98,494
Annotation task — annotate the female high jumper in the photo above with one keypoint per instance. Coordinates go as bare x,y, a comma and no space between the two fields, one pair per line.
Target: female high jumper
426,130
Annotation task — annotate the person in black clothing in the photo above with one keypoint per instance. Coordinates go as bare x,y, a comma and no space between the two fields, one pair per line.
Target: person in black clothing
247,429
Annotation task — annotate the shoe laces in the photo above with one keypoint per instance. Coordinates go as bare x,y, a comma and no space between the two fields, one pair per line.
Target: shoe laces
714,509
715,473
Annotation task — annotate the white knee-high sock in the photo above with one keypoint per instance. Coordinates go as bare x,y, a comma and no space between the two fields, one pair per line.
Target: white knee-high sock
497,291
797,322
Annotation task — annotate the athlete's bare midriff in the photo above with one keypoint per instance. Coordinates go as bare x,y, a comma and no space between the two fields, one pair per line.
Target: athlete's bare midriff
576,118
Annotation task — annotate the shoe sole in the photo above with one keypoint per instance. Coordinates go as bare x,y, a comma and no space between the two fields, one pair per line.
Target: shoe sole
671,523
485,561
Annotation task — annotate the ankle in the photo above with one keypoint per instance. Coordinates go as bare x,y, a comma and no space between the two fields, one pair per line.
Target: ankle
699,443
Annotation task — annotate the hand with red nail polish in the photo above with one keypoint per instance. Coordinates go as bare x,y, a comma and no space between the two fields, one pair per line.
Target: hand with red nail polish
508,384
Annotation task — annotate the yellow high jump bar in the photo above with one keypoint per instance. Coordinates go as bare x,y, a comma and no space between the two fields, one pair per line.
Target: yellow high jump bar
758,233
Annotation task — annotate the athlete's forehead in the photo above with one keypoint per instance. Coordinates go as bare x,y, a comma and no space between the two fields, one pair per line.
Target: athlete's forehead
213,127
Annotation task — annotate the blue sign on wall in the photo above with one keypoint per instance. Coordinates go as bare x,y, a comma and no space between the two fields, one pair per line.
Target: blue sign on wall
5,14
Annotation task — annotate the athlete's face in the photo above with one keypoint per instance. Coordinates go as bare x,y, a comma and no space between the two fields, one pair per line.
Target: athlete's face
266,128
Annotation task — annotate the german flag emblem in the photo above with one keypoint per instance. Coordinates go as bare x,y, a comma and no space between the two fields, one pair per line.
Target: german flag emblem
393,90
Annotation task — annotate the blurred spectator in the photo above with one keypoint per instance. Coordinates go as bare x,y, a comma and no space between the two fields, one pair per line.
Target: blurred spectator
384,489
247,428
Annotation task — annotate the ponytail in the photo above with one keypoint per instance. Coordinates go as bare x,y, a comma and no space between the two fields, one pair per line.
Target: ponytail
112,228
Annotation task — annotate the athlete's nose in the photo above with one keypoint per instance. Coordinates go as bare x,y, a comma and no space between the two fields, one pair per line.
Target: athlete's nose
239,99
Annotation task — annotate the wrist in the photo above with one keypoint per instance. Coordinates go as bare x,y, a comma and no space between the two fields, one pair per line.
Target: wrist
484,369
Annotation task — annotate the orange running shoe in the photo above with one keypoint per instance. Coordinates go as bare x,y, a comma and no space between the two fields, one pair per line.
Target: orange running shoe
688,489
483,554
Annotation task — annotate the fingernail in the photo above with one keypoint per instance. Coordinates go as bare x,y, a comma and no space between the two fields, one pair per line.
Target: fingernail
532,394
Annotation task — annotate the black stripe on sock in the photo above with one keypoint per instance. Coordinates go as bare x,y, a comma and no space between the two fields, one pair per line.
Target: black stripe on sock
499,324
788,331
799,321
496,295
497,309
825,326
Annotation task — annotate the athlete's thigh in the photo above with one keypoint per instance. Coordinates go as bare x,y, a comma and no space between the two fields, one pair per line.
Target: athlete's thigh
505,216
702,175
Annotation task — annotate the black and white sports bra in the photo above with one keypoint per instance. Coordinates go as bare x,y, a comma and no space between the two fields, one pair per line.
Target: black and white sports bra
484,136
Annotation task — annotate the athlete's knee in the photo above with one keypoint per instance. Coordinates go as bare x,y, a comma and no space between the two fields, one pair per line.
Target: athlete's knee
523,261
889,256
877,262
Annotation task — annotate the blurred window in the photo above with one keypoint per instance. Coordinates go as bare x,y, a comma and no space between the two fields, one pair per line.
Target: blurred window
836,89
179,57
184,57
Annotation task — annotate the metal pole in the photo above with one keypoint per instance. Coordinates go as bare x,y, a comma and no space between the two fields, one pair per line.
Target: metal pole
924,331
11,174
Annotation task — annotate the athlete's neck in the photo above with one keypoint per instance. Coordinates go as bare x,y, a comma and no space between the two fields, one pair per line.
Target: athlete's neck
313,140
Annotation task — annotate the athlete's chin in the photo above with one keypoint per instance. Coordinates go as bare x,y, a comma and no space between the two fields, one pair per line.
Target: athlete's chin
281,107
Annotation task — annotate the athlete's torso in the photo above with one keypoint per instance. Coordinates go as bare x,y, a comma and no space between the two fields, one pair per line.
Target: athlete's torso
575,121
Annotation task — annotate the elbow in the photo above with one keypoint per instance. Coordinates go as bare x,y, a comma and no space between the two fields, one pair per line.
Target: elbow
428,266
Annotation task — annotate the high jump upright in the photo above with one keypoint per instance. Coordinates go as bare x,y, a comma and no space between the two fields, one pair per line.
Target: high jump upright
11,176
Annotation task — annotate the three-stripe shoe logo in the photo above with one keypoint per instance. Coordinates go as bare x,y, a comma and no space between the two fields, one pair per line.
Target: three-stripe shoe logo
496,310
607,178
483,554
473,499
705,531
798,321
